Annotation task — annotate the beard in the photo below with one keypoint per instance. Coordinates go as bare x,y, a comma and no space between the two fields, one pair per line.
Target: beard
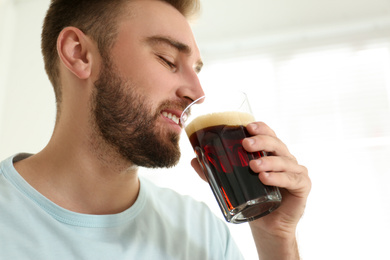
125,121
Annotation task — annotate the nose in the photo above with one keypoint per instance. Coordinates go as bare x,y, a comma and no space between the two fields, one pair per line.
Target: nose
190,89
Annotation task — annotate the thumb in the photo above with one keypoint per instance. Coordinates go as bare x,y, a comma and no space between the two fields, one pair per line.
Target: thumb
198,168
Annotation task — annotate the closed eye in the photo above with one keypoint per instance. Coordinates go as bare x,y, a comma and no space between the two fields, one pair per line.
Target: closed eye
166,62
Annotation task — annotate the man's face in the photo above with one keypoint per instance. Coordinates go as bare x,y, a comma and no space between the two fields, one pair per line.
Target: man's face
146,81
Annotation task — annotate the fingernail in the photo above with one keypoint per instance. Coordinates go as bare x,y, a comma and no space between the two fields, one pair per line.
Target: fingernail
251,141
259,162
253,126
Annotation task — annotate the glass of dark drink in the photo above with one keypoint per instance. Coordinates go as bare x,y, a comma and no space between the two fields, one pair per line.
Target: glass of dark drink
216,126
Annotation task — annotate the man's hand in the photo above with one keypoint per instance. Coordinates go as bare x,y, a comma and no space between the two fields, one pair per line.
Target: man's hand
274,234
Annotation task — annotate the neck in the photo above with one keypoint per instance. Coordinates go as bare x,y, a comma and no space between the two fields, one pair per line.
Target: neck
80,172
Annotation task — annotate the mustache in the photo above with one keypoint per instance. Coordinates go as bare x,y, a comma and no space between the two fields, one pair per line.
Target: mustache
180,105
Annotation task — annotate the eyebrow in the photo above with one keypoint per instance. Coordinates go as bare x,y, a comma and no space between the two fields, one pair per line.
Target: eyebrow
181,47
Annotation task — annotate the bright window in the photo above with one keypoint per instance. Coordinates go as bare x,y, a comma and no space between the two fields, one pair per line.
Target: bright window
330,105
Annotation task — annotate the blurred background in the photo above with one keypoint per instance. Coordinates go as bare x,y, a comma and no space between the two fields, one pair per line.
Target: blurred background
317,72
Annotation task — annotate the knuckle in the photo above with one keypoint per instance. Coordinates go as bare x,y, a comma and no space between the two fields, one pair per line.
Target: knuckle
294,177
305,170
301,178
293,159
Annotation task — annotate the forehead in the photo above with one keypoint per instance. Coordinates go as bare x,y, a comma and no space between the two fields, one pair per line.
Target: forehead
146,18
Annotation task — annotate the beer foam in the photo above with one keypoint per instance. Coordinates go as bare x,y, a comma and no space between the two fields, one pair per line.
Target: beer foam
231,118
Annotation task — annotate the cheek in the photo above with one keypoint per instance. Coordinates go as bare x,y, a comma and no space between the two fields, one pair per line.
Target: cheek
148,75
157,86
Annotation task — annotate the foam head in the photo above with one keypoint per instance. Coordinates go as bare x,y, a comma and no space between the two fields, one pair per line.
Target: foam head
231,118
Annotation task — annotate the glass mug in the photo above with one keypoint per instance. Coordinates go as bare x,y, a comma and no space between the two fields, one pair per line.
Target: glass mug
216,126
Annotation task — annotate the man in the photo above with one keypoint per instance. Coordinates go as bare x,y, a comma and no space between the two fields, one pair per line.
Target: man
118,69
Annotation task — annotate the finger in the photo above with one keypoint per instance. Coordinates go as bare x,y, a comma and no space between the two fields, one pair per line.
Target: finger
266,143
198,168
260,128
274,164
297,183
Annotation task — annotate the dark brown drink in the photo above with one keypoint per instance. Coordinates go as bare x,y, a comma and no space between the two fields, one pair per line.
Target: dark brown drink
226,165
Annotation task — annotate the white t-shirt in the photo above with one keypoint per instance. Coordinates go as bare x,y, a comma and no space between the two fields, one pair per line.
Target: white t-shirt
160,225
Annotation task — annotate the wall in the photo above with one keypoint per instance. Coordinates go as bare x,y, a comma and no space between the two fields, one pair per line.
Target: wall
27,102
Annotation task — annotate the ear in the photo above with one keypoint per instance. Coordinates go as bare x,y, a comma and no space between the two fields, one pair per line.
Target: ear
74,50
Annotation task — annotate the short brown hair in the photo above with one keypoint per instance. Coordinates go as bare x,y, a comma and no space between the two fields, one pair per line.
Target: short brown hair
96,18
